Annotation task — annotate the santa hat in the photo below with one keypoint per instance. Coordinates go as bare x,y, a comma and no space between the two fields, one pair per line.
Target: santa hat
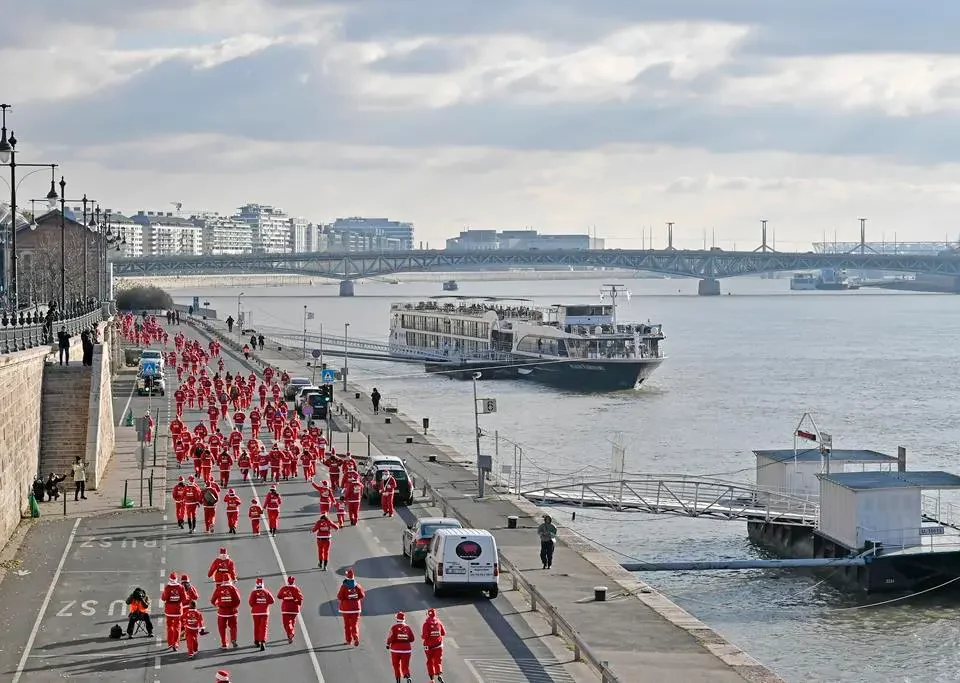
223,553
431,613
401,617
223,676
231,491
184,578
180,479
172,581
348,573
259,583
191,479
291,580
273,488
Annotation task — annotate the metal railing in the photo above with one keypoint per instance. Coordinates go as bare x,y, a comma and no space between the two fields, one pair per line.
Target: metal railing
916,539
559,626
933,508
683,495
30,331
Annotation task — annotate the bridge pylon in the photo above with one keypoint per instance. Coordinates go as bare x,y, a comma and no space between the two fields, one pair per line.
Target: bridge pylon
863,247
764,247
670,237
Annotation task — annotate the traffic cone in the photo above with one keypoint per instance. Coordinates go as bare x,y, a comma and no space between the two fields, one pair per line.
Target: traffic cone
129,420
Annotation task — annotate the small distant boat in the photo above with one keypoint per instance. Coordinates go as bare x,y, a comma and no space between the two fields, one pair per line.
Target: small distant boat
450,286
803,282
834,280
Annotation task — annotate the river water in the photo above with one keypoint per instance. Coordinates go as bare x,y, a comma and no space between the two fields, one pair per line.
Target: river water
876,369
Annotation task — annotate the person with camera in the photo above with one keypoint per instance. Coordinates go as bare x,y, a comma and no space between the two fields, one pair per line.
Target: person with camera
139,604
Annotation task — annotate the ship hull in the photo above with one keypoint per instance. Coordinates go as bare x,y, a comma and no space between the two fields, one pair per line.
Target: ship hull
573,375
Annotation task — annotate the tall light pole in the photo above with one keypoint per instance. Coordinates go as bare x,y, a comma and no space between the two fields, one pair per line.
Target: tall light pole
238,312
346,330
63,246
85,227
476,433
8,157
304,330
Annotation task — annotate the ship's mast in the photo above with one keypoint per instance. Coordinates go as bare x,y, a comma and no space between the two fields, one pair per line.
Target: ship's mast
611,293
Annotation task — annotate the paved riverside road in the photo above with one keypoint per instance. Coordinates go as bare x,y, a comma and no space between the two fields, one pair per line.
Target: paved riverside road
104,558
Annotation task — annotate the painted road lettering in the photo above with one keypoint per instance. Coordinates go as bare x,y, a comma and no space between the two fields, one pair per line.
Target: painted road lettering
126,542
88,608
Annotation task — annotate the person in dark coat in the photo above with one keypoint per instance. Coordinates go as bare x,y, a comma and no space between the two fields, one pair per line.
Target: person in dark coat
63,342
86,340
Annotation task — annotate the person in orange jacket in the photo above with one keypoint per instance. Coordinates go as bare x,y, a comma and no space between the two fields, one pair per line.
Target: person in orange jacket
222,569
260,601
350,598
255,513
192,625
174,598
432,635
400,639
323,528
226,598
233,503
291,600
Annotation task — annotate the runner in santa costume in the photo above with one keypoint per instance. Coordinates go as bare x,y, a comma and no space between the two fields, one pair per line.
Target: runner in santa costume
260,601
174,599
432,635
226,598
350,599
400,639
291,600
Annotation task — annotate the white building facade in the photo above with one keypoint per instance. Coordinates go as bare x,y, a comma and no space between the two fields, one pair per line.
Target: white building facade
167,235
224,235
272,232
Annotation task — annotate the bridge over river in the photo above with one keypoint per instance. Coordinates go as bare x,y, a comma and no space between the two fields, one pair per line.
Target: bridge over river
708,265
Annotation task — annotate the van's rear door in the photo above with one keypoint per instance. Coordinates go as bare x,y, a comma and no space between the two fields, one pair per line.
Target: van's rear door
474,557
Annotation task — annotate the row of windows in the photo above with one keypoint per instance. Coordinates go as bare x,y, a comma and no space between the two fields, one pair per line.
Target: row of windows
460,328
453,346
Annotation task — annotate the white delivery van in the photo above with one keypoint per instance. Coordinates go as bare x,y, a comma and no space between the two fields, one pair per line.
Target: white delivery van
463,560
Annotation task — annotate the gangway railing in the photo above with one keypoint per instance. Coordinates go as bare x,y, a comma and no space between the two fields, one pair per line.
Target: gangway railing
683,495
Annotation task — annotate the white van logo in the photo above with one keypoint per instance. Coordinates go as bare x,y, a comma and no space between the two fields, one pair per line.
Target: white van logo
469,550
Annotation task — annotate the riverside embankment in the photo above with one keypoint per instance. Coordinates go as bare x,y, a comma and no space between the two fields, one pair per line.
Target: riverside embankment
635,630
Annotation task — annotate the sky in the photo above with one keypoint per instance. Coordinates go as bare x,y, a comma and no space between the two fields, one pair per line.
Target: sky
615,116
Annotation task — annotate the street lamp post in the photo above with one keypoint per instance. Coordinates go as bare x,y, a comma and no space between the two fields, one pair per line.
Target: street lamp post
346,330
63,246
304,330
239,314
8,157
476,430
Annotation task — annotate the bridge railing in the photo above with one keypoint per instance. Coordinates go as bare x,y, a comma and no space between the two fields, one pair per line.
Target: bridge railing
678,494
30,331
940,510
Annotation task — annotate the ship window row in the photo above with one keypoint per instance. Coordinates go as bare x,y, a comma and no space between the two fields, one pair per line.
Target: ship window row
584,348
448,346
462,328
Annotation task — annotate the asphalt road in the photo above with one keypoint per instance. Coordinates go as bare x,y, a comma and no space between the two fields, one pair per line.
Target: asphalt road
58,615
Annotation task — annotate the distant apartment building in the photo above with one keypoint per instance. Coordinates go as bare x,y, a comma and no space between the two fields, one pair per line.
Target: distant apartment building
223,235
166,235
307,236
272,232
490,240
128,230
369,234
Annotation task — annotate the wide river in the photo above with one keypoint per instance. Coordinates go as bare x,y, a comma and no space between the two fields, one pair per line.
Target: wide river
876,369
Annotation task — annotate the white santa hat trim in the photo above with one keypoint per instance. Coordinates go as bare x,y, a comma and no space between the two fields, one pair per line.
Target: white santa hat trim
223,677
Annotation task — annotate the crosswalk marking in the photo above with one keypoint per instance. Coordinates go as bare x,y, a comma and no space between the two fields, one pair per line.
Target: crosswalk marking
517,671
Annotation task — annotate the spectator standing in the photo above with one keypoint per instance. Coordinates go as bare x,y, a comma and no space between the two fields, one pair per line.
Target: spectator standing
548,540
79,479
63,342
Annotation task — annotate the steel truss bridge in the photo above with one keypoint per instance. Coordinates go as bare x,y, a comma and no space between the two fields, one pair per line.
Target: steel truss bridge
710,264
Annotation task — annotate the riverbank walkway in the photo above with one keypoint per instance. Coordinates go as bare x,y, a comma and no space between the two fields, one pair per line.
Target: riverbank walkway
638,632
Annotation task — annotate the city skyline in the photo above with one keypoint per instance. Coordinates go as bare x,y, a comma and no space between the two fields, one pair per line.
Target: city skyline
559,116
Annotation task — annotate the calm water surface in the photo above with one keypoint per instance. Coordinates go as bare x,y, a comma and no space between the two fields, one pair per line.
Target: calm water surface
876,369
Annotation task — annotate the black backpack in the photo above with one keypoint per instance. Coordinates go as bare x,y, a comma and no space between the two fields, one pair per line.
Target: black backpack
116,633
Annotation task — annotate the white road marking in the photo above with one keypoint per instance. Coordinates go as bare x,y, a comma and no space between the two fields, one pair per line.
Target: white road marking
472,670
300,621
46,603
127,407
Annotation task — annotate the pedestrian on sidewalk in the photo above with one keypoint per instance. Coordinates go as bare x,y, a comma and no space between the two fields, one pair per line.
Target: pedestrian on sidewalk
230,323
548,540
79,479
375,400
63,342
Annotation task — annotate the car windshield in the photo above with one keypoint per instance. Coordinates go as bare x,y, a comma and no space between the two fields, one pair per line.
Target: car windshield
428,530
150,354
300,380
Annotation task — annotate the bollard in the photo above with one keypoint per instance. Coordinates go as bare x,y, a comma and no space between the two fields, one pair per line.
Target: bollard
368,445
426,425
357,395
386,420
512,522
123,503
600,593
150,488
64,503
409,439
573,517
348,442
432,457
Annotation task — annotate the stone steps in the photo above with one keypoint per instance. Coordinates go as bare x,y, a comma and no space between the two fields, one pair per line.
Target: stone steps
64,410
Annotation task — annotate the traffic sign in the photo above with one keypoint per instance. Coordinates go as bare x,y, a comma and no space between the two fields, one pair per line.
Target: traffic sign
328,376
489,405
316,353
148,369
307,410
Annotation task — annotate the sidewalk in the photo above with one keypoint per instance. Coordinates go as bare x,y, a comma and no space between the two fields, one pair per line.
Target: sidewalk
636,629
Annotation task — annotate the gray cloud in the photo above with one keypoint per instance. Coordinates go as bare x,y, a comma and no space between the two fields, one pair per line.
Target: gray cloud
428,59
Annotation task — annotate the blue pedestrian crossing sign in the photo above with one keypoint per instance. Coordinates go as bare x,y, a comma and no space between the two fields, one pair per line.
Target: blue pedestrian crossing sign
148,369
328,376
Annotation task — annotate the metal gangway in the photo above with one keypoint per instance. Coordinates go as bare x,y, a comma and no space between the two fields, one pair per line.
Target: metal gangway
679,494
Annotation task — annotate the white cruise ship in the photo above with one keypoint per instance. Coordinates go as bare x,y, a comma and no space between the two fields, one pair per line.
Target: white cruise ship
578,346
803,282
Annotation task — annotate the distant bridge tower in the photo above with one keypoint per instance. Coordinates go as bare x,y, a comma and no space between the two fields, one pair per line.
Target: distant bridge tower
670,237
764,247
863,247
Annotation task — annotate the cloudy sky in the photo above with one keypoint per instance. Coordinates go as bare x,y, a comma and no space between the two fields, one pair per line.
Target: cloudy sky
560,115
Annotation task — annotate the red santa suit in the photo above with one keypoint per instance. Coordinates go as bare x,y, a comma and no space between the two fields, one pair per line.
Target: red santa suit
226,598
326,496
233,503
179,396
192,624
291,600
272,502
236,442
255,513
222,569
276,463
178,492
206,462
350,599
333,467
191,500
352,495
210,500
260,601
323,529
173,598
388,488
432,635
224,463
243,462
341,513
306,463
400,640
255,417
213,415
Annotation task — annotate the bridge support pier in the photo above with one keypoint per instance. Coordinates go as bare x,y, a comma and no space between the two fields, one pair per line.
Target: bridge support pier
707,287
346,288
